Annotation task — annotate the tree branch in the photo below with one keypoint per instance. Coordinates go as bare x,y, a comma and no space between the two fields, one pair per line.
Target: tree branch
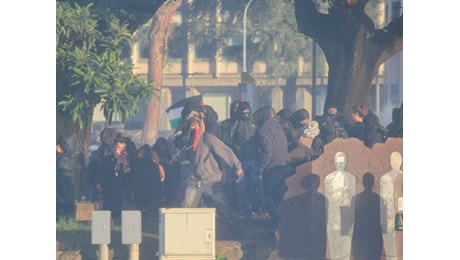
390,38
307,17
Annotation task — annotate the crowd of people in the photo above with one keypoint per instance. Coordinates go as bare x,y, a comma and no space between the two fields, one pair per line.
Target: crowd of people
238,165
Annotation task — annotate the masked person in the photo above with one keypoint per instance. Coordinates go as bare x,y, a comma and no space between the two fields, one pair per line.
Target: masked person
203,151
273,159
244,145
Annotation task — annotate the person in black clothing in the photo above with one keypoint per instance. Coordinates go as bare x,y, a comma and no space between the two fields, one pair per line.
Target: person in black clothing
227,124
273,160
114,177
171,184
294,128
298,122
65,187
356,129
145,188
371,130
366,126
283,117
93,170
327,134
339,121
395,128
228,176
243,144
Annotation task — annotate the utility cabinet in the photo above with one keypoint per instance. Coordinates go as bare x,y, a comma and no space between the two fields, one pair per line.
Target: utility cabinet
187,233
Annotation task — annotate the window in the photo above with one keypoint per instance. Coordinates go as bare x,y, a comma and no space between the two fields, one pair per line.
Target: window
233,48
144,50
204,52
175,44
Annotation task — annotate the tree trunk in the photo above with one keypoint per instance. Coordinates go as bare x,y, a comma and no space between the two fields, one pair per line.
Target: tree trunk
354,49
158,44
352,66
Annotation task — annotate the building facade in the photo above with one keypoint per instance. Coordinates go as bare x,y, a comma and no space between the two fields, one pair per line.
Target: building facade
190,70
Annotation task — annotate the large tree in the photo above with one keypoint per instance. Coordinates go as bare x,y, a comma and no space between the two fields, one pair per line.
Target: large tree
136,13
93,67
354,47
90,71
158,36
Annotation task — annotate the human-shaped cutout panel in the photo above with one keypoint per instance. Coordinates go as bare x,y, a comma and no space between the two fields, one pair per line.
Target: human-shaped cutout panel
388,206
367,234
340,187
304,235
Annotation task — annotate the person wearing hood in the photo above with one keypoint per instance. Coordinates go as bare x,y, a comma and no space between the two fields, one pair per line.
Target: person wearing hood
273,158
204,151
294,127
326,135
283,116
243,144
210,120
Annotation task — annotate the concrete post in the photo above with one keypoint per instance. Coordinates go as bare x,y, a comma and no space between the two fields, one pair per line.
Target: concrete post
134,252
103,252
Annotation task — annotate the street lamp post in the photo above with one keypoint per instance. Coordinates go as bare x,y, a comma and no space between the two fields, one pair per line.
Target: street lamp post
244,34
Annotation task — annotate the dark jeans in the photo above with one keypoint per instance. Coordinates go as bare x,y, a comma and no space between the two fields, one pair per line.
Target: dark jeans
113,195
247,190
274,187
65,201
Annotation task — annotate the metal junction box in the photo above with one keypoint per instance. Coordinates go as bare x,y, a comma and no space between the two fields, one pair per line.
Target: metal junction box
187,233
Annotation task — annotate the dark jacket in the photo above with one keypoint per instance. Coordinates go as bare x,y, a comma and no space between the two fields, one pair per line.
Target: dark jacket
145,181
356,130
243,140
272,144
371,133
395,128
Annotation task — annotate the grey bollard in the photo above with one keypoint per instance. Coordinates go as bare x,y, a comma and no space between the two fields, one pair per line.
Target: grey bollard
100,232
131,231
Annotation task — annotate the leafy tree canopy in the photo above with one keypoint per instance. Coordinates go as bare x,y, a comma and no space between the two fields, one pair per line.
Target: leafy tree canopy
272,36
89,67
132,12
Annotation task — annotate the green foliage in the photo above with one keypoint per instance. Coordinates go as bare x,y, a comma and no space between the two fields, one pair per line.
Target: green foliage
89,67
133,12
272,36
69,224
221,257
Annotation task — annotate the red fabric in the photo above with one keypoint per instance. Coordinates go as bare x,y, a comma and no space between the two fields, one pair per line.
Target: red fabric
196,137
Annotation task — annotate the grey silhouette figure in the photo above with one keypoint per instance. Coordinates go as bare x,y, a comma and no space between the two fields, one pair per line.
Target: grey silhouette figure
367,235
387,207
340,187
